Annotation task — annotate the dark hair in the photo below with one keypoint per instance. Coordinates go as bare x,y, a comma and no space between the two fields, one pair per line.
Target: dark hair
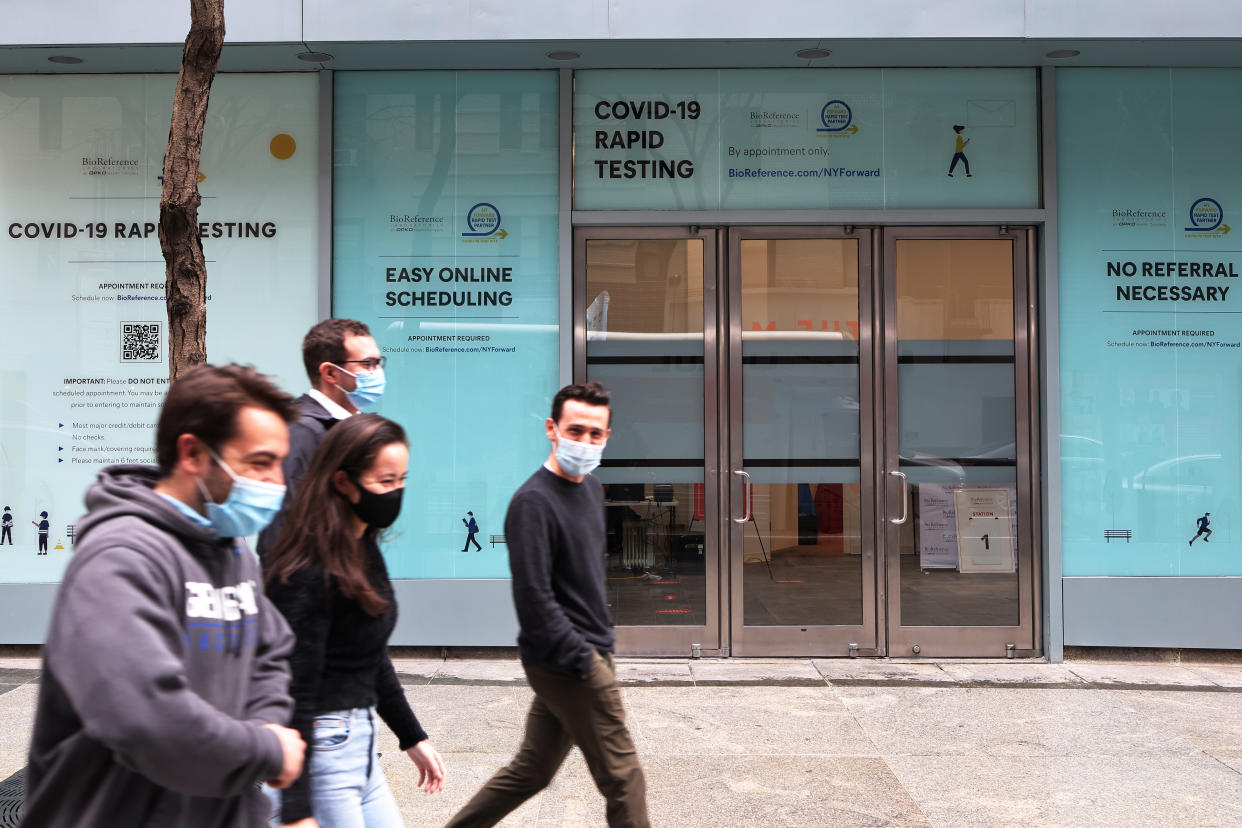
204,402
318,529
958,127
325,342
591,393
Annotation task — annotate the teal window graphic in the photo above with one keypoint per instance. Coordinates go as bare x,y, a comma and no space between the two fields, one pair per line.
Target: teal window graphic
1150,321
445,206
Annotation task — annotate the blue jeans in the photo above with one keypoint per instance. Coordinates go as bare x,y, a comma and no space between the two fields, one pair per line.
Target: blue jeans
348,789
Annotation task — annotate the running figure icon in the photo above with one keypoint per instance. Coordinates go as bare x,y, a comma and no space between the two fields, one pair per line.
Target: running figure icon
1203,523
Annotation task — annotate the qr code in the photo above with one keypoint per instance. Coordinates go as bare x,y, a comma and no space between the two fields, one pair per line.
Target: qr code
142,341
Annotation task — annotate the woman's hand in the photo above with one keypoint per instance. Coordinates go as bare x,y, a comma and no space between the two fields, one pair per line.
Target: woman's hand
309,822
430,766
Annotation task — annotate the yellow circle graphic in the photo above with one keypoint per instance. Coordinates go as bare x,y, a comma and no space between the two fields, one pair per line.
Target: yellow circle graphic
283,146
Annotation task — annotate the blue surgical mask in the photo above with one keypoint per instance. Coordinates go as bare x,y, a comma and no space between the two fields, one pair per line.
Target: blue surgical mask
576,459
368,387
249,508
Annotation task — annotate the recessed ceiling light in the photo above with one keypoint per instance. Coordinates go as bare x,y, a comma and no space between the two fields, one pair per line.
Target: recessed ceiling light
66,59
314,57
812,54
567,54
1063,53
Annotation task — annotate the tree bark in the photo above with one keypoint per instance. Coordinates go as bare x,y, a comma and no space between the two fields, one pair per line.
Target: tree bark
185,269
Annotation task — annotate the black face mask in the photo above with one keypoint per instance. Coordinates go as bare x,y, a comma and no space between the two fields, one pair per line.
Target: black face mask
378,510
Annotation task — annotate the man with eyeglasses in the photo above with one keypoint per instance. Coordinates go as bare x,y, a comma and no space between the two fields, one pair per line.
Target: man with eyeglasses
346,373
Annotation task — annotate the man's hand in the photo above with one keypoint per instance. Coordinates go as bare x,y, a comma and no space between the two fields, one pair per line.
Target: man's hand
430,766
309,822
294,750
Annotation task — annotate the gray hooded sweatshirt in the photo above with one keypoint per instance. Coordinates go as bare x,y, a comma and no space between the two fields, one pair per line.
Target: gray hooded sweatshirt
163,662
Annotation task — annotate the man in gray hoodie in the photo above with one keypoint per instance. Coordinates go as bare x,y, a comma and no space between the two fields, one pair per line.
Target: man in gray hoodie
164,691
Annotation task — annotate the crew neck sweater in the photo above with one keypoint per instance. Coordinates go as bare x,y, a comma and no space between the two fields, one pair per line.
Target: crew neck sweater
340,661
557,554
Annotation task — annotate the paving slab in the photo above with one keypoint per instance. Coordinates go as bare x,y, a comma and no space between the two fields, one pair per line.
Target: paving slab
705,721
952,721
16,720
17,675
465,717
749,791
1222,675
466,774
1211,722
878,672
788,673
416,671
480,672
1018,674
1140,791
659,671
1136,675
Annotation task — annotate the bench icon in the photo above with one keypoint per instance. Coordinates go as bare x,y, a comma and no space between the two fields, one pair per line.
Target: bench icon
495,539
1109,534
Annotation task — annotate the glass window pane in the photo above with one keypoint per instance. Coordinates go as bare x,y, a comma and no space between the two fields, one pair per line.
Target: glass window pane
957,428
801,547
644,321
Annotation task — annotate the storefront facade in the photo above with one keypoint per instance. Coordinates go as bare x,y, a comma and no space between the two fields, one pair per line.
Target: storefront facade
907,361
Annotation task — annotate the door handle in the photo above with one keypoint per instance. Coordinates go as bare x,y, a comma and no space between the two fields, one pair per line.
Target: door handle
745,517
905,499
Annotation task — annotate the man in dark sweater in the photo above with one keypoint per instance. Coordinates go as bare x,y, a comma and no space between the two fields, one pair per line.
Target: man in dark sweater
346,373
555,533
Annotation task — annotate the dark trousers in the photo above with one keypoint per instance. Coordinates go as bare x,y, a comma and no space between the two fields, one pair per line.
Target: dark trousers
6,532
568,711
469,540
959,156
42,542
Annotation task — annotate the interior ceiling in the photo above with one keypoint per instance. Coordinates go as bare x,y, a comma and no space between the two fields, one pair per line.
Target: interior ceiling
282,57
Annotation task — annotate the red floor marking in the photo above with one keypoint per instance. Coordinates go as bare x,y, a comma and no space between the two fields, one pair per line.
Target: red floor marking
670,597
676,611
663,583
779,581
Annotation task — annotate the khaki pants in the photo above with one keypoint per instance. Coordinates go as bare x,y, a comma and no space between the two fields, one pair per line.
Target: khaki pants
568,711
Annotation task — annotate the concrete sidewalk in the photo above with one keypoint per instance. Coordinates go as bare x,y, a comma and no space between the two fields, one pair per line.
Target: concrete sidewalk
801,742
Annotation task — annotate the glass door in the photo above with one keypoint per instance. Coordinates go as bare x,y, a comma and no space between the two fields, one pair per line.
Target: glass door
800,490
645,326
959,540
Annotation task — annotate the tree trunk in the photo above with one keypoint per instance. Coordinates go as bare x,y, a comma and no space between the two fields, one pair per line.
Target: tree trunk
185,269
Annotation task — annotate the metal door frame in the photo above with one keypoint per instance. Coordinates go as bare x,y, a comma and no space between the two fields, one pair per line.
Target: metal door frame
799,640
680,640
933,641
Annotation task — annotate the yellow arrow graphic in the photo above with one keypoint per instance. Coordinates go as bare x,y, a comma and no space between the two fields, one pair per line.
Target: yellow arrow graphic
504,234
852,130
1224,228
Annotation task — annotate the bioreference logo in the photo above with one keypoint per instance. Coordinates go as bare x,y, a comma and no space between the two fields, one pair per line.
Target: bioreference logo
1138,217
1207,219
483,222
406,223
774,119
107,165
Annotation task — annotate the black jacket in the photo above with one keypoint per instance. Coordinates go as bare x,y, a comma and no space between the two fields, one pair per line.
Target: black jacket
304,436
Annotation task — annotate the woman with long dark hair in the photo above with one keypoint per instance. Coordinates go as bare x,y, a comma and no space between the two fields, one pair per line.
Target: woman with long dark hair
328,578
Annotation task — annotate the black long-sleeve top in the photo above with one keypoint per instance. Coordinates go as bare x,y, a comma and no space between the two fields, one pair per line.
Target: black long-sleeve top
340,661
557,554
